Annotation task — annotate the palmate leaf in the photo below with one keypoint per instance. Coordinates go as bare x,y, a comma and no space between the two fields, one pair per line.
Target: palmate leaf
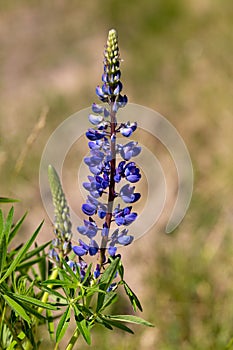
106,280
21,254
129,319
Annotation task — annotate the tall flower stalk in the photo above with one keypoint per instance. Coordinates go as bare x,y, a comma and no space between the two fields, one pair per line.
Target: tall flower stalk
105,225
106,173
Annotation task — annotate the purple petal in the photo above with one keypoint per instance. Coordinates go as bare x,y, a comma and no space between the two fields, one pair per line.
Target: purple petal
119,220
83,244
78,250
133,177
126,131
93,248
105,230
125,240
88,209
82,229
112,250
130,218
97,271
97,108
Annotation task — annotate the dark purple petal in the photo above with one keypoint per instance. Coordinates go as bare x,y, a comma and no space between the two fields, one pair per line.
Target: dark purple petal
117,178
130,218
94,135
122,100
97,271
101,213
93,248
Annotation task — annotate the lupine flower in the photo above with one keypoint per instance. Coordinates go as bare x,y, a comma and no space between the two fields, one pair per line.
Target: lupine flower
84,248
124,216
128,195
89,229
131,149
102,163
128,171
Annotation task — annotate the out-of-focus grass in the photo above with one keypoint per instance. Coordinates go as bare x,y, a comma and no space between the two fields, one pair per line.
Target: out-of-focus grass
177,60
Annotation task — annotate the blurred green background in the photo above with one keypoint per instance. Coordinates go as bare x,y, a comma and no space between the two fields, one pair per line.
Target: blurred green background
178,61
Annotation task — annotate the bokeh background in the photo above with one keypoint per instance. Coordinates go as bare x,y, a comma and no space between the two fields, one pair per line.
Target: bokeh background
178,61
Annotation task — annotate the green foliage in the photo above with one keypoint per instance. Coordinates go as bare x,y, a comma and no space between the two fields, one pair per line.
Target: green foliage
63,293
76,294
19,294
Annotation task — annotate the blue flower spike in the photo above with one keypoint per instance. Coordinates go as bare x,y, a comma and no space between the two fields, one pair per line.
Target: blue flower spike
108,215
106,172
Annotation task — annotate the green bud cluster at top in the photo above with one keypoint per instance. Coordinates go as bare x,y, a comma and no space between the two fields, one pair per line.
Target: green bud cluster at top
111,54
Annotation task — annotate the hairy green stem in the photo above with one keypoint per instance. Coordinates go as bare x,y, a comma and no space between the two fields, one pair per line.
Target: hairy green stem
73,340
45,296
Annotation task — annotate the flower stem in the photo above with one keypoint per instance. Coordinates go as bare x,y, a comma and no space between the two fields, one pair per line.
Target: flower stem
46,294
111,193
73,340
